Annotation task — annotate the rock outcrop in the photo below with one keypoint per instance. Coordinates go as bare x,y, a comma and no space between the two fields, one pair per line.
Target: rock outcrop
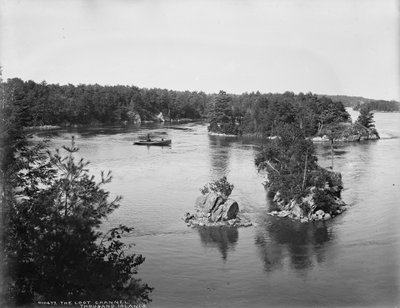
160,117
134,117
309,208
214,209
351,133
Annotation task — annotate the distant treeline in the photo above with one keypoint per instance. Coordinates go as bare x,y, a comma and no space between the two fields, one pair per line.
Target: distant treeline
248,113
262,114
357,101
53,104
380,105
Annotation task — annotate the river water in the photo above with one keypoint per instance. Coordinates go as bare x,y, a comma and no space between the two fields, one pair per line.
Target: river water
349,261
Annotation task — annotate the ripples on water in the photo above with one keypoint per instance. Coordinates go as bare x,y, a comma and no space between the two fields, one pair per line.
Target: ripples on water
349,261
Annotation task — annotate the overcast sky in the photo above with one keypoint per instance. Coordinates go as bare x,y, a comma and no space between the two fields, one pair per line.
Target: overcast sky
324,46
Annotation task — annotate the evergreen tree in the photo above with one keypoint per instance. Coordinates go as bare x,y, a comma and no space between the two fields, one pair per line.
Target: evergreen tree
366,117
288,158
293,171
221,112
53,248
221,115
51,209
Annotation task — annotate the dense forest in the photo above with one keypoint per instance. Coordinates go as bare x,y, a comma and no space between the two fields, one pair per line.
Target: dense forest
248,113
262,114
255,113
53,104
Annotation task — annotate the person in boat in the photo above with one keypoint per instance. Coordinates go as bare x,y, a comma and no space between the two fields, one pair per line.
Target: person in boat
148,137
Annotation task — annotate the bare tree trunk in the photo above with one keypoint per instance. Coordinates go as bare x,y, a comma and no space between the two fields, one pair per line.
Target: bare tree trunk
332,154
305,171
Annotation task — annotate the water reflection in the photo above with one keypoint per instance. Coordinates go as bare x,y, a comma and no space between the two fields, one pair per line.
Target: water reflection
353,161
219,156
301,245
223,238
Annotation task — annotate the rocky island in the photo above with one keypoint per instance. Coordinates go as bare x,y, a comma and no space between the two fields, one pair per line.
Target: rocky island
215,208
260,115
299,188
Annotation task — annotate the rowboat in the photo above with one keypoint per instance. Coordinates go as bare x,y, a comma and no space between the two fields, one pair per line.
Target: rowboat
162,142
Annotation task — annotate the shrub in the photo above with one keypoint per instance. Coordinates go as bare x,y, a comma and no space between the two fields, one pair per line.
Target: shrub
221,186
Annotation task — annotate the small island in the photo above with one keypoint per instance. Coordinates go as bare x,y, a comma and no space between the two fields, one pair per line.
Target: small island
214,208
317,117
299,187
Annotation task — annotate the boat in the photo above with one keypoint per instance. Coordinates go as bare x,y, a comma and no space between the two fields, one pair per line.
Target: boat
162,142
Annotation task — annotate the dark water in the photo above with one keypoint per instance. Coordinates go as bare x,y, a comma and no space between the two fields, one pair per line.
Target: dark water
349,261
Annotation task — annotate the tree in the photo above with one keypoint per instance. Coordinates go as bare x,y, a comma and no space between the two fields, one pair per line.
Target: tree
288,158
52,243
333,131
221,117
366,117
222,111
51,209
330,113
293,172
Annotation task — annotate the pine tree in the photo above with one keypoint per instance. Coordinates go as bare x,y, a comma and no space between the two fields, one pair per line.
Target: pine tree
53,246
221,115
51,208
366,117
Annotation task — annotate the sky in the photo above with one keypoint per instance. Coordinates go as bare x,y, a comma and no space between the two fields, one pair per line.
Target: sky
343,47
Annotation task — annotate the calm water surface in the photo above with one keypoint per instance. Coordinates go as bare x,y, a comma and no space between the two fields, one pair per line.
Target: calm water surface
349,261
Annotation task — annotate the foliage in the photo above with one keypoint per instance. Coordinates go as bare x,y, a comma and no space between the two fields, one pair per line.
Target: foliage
220,186
287,158
357,102
366,117
52,247
292,167
221,116
222,111
265,113
378,105
249,113
51,211
53,104
262,114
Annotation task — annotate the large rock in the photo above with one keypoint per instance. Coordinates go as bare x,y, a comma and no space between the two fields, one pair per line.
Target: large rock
230,209
217,214
214,209
277,197
134,117
208,203
297,211
224,211
160,117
